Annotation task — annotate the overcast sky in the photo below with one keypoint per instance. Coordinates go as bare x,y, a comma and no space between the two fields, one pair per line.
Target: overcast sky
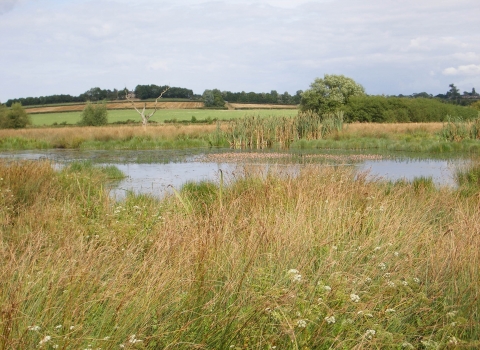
389,46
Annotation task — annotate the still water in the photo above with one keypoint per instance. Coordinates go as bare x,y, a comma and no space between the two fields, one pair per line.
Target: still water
155,172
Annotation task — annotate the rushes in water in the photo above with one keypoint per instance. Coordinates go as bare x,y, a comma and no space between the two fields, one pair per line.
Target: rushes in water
262,132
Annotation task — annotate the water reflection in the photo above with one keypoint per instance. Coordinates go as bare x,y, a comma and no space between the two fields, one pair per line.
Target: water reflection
153,171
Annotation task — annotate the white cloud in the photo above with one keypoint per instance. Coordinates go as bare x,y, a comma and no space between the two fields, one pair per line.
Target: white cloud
388,46
471,69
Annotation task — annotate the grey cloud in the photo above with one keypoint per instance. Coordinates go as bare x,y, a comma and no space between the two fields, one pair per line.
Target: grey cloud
7,5
389,47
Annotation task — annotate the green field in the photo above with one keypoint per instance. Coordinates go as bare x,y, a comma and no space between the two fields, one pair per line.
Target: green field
161,115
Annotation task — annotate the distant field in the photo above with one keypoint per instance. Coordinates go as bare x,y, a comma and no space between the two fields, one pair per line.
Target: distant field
260,106
163,104
161,115
116,105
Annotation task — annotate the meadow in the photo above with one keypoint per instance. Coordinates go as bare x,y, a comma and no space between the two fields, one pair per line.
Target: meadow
162,115
322,260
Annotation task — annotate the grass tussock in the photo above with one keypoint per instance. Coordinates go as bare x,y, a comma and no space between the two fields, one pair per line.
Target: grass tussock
322,260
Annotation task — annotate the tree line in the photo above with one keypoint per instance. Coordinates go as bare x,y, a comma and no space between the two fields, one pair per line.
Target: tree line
334,93
152,91
451,96
97,94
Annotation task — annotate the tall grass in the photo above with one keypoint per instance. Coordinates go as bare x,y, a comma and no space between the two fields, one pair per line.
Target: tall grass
262,132
458,129
321,260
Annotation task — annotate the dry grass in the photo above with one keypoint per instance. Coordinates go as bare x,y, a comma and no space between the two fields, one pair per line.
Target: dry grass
212,271
376,129
108,132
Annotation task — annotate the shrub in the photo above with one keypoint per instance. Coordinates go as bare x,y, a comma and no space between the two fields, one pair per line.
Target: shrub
14,118
94,115
381,109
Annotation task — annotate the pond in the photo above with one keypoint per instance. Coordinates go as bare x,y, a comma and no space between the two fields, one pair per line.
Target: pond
156,171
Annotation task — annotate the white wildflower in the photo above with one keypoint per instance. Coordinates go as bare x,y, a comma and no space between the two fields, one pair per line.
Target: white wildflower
369,333
58,326
133,339
334,247
387,275
452,314
416,280
368,280
297,278
330,319
389,311
453,341
328,289
72,327
46,339
301,323
293,271
355,298
376,249
34,328
390,284
405,283
382,266
396,253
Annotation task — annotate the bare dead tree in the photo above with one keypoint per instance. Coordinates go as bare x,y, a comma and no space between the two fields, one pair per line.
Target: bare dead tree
146,117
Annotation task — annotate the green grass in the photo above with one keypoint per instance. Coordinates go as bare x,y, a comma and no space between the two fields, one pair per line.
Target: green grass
160,116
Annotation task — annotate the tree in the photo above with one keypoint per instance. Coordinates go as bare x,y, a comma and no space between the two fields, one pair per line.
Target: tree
146,117
453,93
94,114
330,93
14,118
213,98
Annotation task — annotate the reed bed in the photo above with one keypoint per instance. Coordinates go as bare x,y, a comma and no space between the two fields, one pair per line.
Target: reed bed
264,132
322,260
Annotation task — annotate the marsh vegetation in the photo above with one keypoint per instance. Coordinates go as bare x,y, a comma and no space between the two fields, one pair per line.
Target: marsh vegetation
324,259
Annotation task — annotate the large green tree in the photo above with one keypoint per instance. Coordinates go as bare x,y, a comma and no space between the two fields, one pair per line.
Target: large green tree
330,93
14,118
213,98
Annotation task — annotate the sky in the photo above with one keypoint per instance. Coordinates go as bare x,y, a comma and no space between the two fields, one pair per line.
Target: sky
391,47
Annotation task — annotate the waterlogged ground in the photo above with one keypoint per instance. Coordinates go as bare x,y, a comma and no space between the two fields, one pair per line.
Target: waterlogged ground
157,172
